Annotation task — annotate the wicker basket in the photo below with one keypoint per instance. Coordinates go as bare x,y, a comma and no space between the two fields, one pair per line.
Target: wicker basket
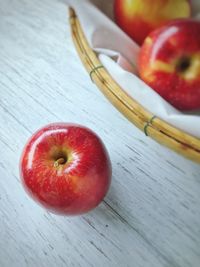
152,126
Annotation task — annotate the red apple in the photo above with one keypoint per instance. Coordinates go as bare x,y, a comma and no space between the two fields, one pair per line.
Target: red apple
66,168
139,17
169,62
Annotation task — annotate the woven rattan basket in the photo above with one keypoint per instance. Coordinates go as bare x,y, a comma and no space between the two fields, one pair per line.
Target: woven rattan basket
152,126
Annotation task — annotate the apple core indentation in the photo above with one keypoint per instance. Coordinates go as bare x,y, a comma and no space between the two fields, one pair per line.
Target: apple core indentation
60,158
183,64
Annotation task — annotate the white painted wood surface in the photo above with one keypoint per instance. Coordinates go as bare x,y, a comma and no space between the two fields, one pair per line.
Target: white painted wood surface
151,215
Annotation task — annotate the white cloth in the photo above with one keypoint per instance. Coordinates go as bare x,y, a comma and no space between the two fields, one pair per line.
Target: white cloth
118,53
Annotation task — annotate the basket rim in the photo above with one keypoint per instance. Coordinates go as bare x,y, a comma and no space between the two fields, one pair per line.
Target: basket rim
158,129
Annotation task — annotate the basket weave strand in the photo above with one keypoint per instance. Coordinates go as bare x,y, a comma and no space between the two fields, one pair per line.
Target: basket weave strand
159,130
96,68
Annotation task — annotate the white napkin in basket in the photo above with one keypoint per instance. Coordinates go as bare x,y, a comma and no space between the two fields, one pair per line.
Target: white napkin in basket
118,53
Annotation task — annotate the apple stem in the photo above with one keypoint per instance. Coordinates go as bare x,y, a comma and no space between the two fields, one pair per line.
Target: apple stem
59,161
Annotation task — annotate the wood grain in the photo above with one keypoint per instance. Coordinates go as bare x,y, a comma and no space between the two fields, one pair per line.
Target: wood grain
151,214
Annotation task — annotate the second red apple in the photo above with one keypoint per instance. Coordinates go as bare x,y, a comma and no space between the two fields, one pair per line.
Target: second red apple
169,62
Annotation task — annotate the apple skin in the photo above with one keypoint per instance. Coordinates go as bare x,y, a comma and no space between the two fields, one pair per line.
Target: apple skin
169,62
139,17
66,168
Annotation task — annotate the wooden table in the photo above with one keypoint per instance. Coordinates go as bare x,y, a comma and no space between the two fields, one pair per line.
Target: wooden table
151,215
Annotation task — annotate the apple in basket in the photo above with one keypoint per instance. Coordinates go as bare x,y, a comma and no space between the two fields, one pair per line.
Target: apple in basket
66,168
169,62
139,17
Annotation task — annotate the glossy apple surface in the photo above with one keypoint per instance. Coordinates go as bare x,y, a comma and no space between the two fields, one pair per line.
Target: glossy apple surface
139,17
66,168
169,62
